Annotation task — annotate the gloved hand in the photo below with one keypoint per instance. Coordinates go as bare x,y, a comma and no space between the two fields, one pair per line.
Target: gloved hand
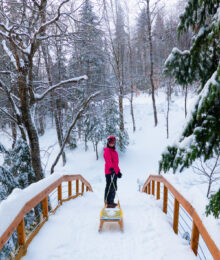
119,175
112,171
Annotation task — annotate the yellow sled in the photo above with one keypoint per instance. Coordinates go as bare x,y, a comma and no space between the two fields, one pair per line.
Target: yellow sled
111,215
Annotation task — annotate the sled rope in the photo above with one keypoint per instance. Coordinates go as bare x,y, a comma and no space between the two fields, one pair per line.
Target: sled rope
112,178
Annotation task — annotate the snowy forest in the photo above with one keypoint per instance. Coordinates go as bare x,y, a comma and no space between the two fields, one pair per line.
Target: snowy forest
72,66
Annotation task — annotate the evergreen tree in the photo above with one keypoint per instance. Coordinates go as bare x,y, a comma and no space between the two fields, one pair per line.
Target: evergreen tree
112,124
91,59
18,162
120,62
16,172
201,134
159,44
142,59
214,205
96,124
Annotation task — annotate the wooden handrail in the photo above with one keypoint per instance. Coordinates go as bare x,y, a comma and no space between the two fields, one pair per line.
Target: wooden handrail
18,221
198,226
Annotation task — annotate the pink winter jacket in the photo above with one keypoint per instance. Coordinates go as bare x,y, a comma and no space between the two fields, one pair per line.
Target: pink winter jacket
111,160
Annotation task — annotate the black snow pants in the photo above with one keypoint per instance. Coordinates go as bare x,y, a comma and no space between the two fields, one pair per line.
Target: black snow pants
110,188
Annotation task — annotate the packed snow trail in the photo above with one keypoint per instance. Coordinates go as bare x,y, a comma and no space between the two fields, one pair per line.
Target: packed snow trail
72,233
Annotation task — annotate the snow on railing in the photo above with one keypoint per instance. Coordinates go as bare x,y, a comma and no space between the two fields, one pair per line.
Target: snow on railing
185,219
43,199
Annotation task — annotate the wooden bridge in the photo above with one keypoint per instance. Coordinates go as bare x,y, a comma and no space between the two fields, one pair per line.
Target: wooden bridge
71,186
197,226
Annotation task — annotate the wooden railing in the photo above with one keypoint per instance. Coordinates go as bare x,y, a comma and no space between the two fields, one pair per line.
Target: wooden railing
19,223
197,229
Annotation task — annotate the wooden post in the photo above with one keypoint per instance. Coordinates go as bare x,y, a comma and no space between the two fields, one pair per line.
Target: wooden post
69,188
158,190
45,207
101,225
148,188
195,238
60,194
145,190
165,196
153,187
121,224
176,216
87,188
77,186
21,233
82,187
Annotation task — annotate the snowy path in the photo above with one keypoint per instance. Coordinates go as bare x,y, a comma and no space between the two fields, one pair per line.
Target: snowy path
72,233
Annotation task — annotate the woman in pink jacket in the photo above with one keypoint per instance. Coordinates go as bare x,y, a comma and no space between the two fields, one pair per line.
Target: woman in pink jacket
112,171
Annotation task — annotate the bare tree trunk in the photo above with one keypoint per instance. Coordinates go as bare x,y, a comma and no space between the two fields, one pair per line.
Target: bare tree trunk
96,150
121,115
209,187
211,179
168,106
118,59
93,144
14,133
132,110
85,142
79,131
151,63
131,76
29,125
121,108
120,100
54,105
59,136
78,115
145,65
41,123
186,92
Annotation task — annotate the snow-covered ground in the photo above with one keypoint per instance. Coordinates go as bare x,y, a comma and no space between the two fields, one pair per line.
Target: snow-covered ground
72,232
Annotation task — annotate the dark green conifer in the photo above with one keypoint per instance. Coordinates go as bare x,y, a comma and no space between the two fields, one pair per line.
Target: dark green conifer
201,135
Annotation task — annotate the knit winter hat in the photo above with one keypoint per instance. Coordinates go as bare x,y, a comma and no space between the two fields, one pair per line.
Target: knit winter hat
111,139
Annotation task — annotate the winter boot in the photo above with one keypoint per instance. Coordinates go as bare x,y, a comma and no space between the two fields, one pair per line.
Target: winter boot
111,205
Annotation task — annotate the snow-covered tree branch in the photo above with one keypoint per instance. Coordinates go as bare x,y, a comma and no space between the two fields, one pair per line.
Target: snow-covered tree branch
60,84
77,116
